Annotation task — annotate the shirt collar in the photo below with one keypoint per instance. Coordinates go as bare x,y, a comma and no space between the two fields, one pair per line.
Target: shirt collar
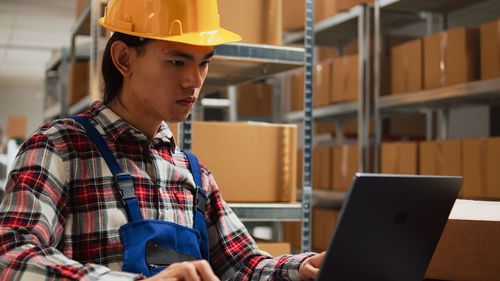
113,126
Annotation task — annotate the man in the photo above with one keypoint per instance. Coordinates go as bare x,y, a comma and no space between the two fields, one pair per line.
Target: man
64,213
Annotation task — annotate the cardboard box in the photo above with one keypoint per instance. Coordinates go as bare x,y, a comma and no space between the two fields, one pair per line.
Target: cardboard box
300,155
490,49
275,249
297,86
294,14
399,158
481,163
441,158
387,43
254,99
322,168
324,127
324,53
16,127
251,162
256,21
469,248
406,69
345,79
78,81
345,5
174,128
293,234
451,57
322,83
323,224
81,5
345,165
413,126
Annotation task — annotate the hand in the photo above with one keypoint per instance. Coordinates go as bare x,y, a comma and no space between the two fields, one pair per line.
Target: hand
198,270
309,268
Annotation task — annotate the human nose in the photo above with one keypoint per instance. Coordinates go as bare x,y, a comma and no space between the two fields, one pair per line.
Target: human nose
193,78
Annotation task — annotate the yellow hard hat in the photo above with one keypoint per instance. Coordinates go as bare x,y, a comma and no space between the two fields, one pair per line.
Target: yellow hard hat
194,22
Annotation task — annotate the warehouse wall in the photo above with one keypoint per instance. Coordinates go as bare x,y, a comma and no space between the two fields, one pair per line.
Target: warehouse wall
470,122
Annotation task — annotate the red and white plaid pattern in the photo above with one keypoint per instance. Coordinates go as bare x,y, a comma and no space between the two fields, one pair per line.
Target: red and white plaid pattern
61,215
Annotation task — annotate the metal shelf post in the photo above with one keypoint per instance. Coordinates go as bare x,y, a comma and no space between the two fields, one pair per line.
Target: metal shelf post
95,62
308,127
376,88
364,100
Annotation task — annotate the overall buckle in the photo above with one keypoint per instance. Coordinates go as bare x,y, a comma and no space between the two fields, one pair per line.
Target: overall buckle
125,186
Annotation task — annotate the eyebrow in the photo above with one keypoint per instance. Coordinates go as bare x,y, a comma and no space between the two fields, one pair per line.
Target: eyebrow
189,56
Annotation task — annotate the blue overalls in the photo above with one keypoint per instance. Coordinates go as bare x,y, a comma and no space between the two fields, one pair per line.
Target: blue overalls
152,245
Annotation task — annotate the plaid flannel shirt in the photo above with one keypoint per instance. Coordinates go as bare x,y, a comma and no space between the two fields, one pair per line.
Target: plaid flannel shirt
61,215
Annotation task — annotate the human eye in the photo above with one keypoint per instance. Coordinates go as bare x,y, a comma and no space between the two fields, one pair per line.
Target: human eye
176,62
205,63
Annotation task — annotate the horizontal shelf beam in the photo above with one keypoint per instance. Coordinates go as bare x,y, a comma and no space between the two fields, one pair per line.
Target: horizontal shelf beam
326,198
237,63
476,92
267,212
215,103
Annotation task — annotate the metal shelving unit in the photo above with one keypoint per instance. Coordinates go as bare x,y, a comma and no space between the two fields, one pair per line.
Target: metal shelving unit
57,68
233,64
386,15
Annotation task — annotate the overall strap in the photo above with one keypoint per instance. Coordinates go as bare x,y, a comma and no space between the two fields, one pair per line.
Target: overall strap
199,204
194,166
123,180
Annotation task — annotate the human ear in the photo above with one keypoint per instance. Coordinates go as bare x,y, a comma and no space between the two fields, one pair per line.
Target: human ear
120,54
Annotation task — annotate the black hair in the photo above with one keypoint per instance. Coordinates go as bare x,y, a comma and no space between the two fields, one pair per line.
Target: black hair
113,79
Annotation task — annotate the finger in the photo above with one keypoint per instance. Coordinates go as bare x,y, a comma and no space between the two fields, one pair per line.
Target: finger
180,271
205,271
190,272
309,272
316,260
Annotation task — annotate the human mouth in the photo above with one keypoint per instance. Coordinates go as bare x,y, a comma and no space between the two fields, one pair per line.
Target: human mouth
188,102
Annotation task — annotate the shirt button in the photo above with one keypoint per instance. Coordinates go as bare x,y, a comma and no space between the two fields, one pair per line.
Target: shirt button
156,141
132,131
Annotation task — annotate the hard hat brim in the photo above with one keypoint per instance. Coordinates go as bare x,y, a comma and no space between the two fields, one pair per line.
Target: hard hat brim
211,38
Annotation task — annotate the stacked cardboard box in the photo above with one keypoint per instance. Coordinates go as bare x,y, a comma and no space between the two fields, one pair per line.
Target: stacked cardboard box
322,168
345,165
256,21
441,158
323,224
322,83
481,163
399,158
412,126
297,90
406,67
451,57
294,12
244,157
274,248
78,81
293,234
490,49
345,79
16,127
254,99
348,4
81,5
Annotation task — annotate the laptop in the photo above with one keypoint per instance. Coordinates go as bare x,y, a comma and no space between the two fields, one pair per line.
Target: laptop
389,227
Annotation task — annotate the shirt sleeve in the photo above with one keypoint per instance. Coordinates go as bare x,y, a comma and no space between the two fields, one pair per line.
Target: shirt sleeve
234,255
32,218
